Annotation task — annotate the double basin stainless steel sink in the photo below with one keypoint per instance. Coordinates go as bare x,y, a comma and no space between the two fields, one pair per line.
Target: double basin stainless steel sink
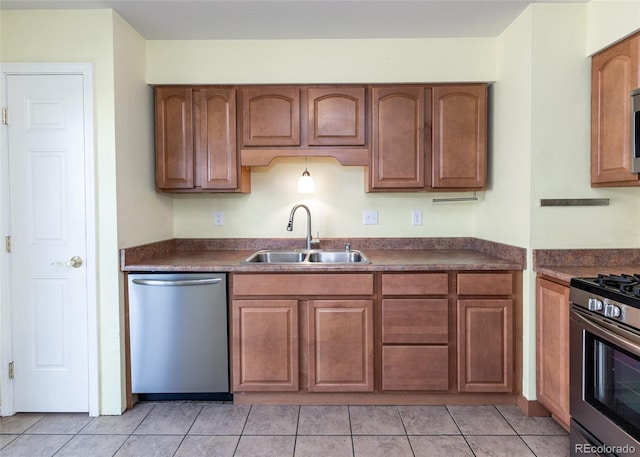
307,257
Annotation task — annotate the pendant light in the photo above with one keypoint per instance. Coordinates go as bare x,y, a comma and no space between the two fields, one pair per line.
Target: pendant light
305,183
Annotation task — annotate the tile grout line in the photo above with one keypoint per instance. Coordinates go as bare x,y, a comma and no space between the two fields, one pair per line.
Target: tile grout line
353,446
406,434
464,437
516,432
184,437
134,430
295,438
244,426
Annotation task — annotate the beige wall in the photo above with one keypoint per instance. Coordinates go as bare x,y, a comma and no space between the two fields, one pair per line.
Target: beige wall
610,21
142,214
540,145
320,61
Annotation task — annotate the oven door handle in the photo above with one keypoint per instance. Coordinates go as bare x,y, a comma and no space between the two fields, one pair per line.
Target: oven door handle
630,342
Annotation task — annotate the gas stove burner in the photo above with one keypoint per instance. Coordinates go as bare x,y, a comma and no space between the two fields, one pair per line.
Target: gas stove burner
617,280
625,283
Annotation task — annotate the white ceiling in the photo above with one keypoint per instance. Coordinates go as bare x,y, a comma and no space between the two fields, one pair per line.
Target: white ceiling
303,19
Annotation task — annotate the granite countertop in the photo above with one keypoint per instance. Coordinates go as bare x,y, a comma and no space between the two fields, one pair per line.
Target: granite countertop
386,254
564,264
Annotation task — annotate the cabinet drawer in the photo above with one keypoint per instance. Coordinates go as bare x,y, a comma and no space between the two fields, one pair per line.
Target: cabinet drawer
415,368
485,284
415,284
418,321
303,284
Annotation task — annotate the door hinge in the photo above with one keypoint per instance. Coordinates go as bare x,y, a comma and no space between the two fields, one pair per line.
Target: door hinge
7,243
11,373
4,116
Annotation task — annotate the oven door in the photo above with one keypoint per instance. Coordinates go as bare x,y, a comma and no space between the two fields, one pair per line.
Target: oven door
605,384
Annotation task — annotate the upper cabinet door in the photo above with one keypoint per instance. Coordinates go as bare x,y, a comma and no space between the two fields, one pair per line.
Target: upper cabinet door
459,129
336,116
218,164
614,74
397,146
271,116
174,138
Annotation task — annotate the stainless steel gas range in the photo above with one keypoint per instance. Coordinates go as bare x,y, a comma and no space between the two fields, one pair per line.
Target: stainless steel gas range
605,365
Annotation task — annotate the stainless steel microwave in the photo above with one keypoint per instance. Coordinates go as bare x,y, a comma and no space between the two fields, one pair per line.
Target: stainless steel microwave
635,131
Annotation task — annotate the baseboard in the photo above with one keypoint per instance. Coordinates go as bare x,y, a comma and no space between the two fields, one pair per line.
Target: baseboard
531,408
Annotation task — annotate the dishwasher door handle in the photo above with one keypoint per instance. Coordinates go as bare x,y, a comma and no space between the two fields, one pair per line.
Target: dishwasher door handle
177,282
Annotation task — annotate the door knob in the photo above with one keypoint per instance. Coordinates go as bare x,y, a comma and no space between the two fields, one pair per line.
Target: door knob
74,262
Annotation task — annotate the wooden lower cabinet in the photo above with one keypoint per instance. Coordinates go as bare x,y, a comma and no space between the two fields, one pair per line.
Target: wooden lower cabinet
415,321
415,332
415,368
340,347
485,345
265,343
552,348
379,333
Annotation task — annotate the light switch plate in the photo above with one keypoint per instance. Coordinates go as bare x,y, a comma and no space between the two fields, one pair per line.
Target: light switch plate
370,217
416,217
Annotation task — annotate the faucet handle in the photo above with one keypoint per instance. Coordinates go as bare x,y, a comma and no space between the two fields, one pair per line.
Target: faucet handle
316,242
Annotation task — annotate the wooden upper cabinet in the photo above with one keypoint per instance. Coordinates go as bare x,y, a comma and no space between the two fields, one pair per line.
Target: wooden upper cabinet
174,138
459,135
614,74
217,158
552,348
336,116
397,146
271,116
196,148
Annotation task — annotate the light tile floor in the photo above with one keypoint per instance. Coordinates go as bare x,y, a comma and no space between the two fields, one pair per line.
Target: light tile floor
224,430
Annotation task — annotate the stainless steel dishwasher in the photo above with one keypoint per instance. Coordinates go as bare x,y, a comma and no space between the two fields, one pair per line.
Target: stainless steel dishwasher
178,336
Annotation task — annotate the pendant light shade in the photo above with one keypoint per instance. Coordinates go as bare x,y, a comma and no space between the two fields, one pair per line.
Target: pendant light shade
305,183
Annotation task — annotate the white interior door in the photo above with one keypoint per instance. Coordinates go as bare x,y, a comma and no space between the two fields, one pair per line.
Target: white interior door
49,296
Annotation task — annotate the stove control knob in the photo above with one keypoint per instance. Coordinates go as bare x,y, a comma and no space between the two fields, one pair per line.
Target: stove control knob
611,310
595,304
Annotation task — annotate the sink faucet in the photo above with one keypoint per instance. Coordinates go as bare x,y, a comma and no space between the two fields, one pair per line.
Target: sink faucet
290,224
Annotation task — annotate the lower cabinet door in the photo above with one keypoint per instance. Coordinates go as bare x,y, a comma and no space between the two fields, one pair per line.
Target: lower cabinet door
265,345
552,348
340,349
415,368
485,345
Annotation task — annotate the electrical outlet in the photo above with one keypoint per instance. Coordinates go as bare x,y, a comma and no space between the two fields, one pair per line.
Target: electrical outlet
218,218
416,217
370,217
